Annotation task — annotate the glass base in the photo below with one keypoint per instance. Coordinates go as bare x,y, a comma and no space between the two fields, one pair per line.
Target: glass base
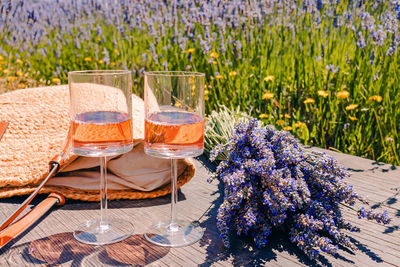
93,150
178,234
168,153
107,232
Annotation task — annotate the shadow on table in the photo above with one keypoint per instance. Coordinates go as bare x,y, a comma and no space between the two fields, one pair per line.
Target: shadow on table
376,166
62,248
243,252
390,202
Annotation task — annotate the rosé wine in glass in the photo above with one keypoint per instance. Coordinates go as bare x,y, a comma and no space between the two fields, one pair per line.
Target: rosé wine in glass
101,126
174,129
101,133
175,134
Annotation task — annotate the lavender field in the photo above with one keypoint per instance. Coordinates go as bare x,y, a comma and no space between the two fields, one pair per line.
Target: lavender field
325,70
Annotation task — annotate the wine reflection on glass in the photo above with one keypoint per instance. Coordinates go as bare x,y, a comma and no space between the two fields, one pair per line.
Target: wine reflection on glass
101,122
174,129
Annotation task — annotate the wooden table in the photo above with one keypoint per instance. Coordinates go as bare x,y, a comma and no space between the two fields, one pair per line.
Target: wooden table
51,243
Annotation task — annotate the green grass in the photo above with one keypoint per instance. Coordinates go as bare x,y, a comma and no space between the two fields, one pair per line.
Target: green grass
294,58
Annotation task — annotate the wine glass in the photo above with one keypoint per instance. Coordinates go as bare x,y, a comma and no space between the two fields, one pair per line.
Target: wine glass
101,124
174,129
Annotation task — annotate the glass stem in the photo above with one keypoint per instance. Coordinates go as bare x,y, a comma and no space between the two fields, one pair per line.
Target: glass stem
103,189
174,195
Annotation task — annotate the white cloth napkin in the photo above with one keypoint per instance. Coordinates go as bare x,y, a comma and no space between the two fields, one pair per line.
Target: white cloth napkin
134,169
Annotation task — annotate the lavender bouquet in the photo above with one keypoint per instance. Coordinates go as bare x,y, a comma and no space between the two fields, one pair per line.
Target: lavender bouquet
271,181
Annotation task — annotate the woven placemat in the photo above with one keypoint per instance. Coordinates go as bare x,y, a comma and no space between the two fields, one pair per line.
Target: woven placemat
38,125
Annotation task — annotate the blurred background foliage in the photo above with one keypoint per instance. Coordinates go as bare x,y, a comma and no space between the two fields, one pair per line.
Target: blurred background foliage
327,71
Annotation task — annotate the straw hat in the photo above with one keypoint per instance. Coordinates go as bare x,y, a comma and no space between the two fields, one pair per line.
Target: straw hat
38,125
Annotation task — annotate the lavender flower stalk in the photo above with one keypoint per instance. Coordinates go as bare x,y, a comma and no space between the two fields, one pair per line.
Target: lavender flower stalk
272,182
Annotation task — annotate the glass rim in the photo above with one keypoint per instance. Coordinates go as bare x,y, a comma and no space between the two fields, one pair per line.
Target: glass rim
98,72
167,73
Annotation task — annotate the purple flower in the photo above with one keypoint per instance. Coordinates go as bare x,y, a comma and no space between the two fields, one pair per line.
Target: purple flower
270,181
332,68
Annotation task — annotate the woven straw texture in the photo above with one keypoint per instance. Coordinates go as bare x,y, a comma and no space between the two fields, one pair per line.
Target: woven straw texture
38,125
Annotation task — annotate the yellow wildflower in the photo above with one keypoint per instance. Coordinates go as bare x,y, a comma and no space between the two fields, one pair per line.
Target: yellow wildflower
101,61
206,97
287,116
376,98
112,63
214,62
116,51
219,76
263,116
351,107
11,78
19,73
288,128
19,61
352,118
206,92
190,50
309,101
87,59
323,93
299,124
280,122
56,80
232,73
1,57
3,62
252,68
214,55
5,71
269,78
177,104
343,94
21,85
267,95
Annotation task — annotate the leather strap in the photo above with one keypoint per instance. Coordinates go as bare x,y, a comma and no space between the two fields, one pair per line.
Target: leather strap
15,229
30,218
60,158
55,164
3,128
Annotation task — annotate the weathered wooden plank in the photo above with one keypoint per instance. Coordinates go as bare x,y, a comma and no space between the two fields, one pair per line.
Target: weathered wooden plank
379,245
